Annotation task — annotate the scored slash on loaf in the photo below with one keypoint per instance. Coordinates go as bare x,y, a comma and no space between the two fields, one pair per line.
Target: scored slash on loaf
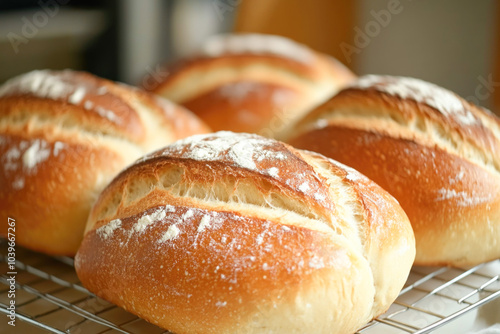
250,82
63,136
436,153
224,232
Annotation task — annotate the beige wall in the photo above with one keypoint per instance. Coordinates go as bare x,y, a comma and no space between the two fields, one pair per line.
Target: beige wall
448,42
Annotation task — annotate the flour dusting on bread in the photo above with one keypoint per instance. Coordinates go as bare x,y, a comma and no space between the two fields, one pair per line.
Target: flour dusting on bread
35,154
463,198
443,100
27,155
59,86
256,44
172,233
40,83
107,230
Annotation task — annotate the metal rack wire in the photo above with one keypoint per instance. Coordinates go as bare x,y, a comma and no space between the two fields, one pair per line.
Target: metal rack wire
50,299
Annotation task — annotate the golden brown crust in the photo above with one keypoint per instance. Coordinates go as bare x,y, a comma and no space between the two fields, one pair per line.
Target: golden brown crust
94,102
475,130
177,71
51,200
63,136
260,105
220,279
441,165
260,88
238,231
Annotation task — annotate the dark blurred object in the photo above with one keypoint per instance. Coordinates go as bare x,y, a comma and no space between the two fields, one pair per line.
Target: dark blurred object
57,34
27,4
101,55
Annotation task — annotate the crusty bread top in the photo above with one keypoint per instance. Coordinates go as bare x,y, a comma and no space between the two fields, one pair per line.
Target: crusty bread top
223,175
70,98
416,110
224,44
270,59
298,183
48,116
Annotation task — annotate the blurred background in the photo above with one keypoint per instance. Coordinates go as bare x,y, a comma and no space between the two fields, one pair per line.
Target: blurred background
453,43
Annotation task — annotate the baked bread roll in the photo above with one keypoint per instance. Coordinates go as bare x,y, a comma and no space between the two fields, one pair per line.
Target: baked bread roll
235,233
435,152
250,82
63,136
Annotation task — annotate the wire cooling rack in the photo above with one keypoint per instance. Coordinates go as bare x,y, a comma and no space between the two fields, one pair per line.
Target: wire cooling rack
50,299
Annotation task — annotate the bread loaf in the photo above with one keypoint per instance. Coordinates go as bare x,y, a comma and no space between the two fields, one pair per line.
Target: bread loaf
435,152
235,233
250,82
63,136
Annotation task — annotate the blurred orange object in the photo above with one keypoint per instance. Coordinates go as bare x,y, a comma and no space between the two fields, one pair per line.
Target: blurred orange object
321,24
